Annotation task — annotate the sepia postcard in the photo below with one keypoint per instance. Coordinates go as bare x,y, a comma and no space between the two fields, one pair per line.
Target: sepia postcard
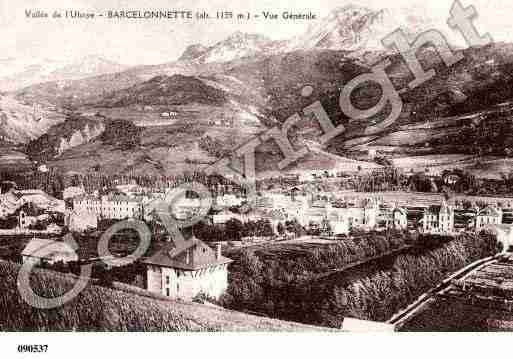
275,166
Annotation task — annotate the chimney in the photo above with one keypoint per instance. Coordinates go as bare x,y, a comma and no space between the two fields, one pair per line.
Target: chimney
218,251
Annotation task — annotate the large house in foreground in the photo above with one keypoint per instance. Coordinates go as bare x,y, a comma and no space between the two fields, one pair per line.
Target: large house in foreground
185,270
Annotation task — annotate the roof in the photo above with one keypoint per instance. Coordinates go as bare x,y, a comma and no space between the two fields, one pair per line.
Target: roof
122,198
489,212
191,254
403,211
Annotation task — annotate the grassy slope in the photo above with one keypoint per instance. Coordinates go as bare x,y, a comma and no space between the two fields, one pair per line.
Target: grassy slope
102,309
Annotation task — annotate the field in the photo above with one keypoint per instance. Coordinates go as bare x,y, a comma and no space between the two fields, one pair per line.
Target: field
301,283
102,309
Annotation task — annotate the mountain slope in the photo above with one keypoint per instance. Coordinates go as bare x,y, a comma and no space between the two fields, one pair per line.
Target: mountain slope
193,52
347,28
166,90
73,132
52,70
20,123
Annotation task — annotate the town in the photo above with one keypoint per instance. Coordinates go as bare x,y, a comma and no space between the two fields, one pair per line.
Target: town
292,208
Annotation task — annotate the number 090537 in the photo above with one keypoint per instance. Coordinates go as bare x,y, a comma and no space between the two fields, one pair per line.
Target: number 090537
36,348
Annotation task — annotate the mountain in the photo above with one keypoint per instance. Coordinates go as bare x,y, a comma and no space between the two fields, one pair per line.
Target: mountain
192,52
20,122
73,132
91,65
237,46
462,110
166,90
347,28
21,74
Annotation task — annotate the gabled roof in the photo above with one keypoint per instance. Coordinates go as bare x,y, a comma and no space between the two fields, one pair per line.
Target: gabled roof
401,210
116,197
191,254
489,212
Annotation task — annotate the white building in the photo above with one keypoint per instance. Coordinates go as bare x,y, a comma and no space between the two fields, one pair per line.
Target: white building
81,221
114,206
504,233
488,216
400,218
184,271
438,219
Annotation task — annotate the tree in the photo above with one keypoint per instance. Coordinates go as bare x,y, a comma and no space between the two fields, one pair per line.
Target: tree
234,229
280,228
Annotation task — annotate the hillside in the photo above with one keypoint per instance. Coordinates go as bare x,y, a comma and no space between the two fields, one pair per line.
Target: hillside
20,123
349,27
19,75
73,132
254,82
102,309
166,90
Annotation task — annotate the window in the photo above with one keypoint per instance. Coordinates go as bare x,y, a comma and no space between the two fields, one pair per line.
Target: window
167,279
167,292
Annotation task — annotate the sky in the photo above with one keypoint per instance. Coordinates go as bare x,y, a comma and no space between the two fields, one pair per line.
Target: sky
135,42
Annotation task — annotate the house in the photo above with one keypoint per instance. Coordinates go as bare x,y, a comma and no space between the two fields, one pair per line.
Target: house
184,270
400,218
25,221
228,200
504,233
39,251
72,192
81,221
464,219
438,219
488,216
371,211
339,223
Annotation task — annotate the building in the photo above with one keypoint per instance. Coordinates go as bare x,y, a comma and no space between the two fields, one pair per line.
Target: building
504,233
113,206
228,200
339,223
81,221
39,251
438,219
25,221
185,270
488,216
400,218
